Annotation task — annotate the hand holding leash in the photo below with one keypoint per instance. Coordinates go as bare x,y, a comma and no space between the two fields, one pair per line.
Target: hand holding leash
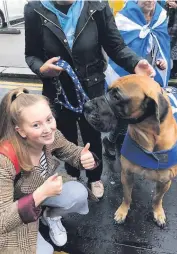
50,69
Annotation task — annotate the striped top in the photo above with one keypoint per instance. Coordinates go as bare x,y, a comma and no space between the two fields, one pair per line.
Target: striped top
43,164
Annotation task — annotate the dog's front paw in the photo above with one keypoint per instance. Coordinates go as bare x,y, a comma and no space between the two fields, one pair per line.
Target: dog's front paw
121,214
159,217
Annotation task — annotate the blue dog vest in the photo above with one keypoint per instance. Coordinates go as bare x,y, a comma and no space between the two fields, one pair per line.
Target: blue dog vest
153,160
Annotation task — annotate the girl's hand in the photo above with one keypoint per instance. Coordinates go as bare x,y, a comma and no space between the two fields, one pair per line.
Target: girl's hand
87,159
51,187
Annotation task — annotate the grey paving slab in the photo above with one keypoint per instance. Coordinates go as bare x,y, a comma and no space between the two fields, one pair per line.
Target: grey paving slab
12,50
16,72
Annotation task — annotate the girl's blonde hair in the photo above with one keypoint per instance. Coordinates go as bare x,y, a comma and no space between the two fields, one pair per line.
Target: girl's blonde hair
11,108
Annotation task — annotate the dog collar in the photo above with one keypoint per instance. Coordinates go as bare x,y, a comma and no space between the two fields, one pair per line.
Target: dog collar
151,160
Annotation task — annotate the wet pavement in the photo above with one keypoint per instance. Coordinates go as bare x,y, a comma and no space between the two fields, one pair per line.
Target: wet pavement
97,233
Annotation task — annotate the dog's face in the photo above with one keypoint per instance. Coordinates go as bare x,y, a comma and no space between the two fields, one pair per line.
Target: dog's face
100,115
132,97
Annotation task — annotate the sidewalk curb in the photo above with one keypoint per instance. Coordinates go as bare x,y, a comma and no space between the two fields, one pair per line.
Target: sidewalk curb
26,73
10,31
17,72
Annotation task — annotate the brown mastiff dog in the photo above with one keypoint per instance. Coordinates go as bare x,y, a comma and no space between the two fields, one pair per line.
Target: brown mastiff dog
146,107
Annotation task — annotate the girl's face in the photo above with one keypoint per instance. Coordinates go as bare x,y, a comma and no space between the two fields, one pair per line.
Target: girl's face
38,124
147,6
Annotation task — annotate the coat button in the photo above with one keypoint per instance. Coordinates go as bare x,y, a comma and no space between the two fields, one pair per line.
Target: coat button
91,11
76,69
65,41
45,21
96,79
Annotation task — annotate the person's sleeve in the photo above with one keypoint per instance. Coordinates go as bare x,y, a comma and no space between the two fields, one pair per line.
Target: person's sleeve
13,213
33,40
27,210
68,151
113,43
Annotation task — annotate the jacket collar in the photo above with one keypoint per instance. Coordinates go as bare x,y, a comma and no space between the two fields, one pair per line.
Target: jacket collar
89,8
40,9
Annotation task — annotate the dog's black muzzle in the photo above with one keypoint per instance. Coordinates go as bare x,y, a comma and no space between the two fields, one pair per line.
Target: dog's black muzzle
99,114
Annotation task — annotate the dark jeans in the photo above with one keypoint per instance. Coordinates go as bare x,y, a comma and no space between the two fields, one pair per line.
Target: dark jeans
174,69
67,124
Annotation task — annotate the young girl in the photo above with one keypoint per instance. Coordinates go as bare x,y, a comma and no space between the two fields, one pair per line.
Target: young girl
27,123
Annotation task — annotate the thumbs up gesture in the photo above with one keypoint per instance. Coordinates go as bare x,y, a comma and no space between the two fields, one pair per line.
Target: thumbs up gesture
87,159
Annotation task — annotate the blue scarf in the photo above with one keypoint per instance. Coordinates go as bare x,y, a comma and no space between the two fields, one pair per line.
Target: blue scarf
142,38
67,21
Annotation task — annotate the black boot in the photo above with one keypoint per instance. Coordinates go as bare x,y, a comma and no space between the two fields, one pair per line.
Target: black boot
109,147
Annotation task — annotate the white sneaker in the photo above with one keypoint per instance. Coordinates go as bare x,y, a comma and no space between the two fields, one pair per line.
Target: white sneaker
57,232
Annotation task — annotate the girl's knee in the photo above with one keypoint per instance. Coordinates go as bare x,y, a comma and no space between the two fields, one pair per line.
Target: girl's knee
73,193
79,193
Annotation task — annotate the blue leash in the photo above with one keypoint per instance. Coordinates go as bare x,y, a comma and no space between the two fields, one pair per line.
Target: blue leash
80,93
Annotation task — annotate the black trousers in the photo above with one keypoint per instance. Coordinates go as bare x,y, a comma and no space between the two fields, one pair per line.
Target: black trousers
67,124
174,70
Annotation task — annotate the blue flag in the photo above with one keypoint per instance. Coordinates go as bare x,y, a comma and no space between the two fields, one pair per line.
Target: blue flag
143,39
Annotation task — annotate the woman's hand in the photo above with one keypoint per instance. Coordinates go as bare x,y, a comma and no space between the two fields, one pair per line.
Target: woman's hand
51,187
49,69
172,4
161,64
87,159
144,68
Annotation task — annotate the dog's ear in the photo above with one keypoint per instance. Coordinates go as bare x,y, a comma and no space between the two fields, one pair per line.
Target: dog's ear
161,110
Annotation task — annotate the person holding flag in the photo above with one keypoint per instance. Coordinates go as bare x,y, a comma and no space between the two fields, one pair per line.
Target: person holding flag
143,26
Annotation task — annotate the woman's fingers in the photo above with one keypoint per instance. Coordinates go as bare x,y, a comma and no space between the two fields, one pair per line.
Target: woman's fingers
56,68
